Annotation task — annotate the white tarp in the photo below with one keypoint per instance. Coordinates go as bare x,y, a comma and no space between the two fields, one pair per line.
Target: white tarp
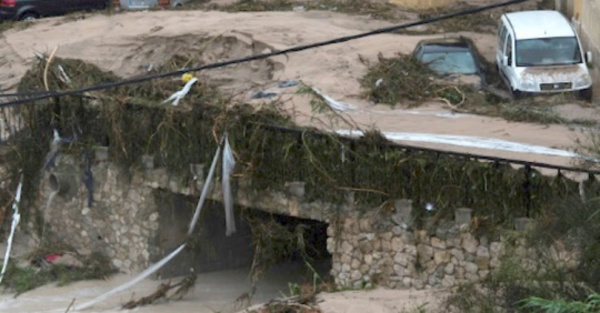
228,165
151,270
468,141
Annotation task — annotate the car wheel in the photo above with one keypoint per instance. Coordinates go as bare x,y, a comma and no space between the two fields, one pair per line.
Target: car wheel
515,94
586,94
29,16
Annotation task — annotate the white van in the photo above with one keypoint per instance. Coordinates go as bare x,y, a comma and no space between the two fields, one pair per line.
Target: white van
539,52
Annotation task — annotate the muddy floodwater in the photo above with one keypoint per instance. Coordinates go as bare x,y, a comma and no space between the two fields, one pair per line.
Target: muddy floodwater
214,292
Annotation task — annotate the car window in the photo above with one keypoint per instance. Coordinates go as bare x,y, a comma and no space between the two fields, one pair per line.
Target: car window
548,51
501,36
458,62
509,49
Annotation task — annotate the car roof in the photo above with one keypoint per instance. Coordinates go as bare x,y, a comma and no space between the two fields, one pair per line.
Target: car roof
445,45
539,24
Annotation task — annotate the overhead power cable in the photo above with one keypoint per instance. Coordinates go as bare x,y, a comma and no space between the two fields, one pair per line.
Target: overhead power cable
31,97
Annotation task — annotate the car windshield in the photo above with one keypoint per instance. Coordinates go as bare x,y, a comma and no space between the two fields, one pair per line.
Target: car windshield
456,62
548,51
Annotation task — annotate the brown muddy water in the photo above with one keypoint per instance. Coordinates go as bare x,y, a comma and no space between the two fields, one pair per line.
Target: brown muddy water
214,292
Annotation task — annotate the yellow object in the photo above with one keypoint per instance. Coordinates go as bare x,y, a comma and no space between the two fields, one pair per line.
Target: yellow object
187,77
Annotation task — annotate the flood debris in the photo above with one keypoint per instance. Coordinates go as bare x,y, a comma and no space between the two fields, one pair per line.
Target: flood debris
165,292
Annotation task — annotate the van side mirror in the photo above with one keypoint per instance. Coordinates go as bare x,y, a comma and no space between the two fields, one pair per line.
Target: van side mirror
505,60
589,57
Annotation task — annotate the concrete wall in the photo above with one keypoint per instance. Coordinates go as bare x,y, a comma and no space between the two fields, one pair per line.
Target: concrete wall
585,19
385,251
140,216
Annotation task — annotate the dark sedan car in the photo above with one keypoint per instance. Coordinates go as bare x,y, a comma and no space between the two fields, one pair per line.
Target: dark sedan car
451,57
32,9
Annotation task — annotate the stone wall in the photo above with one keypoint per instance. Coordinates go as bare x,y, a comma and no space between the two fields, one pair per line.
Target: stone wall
382,249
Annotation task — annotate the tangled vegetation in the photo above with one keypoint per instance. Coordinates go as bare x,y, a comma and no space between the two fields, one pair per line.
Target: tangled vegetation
403,80
132,121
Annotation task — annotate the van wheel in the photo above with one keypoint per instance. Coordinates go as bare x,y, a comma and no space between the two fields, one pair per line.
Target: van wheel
515,94
29,16
586,94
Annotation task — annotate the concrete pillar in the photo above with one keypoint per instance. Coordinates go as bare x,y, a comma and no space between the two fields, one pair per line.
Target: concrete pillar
148,161
296,189
522,223
462,216
101,153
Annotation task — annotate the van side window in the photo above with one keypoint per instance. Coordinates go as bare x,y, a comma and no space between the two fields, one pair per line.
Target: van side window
502,36
509,48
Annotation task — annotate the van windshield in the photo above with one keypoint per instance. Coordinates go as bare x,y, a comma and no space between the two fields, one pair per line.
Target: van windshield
548,51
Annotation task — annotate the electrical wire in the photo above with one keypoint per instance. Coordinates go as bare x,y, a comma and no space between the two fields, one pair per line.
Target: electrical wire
31,97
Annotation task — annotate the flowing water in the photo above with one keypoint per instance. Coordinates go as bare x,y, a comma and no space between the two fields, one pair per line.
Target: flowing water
214,292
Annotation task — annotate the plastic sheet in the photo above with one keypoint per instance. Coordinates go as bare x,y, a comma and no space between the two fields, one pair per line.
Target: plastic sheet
228,165
178,95
13,227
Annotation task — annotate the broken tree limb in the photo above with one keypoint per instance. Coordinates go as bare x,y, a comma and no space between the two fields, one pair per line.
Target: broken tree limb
50,58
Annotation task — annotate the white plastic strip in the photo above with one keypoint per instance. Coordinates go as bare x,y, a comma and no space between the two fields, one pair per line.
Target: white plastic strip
334,104
228,165
149,271
178,95
204,193
473,142
13,227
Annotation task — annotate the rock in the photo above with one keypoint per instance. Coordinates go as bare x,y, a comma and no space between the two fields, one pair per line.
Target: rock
386,236
483,274
438,243
434,280
458,254
364,269
459,273
365,225
495,249
377,245
386,246
494,263
406,282
449,269
397,230
472,277
422,236
355,264
345,259
401,259
430,267
482,263
418,284
346,268
117,263
396,244
356,275
471,268
410,250
469,243
368,259
483,252
448,281
365,246
424,252
399,270
441,256
153,216
346,247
